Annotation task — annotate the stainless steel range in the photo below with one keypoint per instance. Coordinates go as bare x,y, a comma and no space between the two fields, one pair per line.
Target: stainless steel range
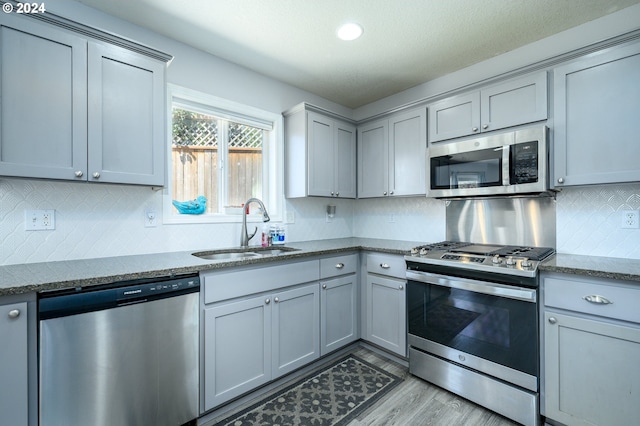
473,323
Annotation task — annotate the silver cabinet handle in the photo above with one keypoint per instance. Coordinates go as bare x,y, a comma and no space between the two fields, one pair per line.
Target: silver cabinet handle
96,175
266,302
485,126
552,320
339,265
337,193
324,286
474,129
400,287
384,193
14,313
332,193
78,173
597,300
390,192
560,180
385,266
275,299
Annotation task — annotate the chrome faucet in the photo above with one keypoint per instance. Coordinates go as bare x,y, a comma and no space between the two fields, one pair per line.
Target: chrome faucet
244,236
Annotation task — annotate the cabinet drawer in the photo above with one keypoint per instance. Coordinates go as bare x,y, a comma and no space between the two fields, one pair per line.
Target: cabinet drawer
338,265
571,293
386,264
236,282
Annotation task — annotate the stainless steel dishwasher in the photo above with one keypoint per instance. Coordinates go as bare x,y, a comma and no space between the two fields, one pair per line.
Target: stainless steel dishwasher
121,354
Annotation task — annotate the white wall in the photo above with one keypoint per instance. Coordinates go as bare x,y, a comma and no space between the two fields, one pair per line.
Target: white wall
98,220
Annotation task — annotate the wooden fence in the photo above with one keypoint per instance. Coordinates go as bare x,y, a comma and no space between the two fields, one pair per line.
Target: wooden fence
195,171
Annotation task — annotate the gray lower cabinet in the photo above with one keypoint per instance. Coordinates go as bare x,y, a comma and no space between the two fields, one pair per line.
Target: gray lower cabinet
384,302
257,324
73,108
338,302
510,103
591,351
596,104
14,398
392,155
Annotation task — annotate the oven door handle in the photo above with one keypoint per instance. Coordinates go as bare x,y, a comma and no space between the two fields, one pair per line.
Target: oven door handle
492,289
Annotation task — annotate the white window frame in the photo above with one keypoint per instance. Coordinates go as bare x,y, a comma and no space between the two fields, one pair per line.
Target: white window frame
272,152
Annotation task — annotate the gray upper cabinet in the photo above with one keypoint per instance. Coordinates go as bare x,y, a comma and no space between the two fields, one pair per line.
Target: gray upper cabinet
74,108
43,100
596,104
320,154
392,155
126,117
513,102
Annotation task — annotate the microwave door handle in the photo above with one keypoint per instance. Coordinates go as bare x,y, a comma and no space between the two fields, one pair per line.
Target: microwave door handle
506,169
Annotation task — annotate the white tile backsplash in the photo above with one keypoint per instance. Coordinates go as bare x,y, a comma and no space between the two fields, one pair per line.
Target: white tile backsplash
588,221
99,220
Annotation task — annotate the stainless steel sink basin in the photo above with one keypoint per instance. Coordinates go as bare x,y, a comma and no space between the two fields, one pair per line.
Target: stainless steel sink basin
226,255
243,253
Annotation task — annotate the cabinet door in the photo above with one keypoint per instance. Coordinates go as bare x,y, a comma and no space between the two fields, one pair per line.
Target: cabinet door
43,101
596,104
126,117
338,313
237,349
591,374
320,137
454,117
519,101
408,153
345,160
296,328
373,160
14,399
386,313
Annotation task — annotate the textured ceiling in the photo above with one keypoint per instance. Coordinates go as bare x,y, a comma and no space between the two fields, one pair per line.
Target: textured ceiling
405,42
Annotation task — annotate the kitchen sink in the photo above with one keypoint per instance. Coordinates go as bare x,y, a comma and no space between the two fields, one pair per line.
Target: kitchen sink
242,253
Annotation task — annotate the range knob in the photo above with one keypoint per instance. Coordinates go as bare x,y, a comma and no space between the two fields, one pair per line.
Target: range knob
424,252
414,251
496,260
525,263
510,261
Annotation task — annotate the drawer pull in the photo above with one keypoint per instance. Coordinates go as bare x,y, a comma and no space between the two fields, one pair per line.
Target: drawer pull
552,320
597,300
385,266
339,265
14,313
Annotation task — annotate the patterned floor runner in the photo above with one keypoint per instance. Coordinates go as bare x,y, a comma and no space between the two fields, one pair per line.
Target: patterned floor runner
333,396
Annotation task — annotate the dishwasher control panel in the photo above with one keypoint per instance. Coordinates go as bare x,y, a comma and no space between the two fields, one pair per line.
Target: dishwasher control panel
157,288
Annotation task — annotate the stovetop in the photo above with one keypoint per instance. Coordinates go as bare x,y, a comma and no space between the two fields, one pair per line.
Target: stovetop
492,258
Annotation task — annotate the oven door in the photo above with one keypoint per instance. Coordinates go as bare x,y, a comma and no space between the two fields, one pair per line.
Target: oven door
489,327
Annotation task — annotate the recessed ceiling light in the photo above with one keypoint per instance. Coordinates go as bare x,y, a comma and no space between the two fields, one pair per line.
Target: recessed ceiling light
349,31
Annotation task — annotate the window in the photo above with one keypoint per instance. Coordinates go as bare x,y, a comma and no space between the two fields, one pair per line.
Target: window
223,151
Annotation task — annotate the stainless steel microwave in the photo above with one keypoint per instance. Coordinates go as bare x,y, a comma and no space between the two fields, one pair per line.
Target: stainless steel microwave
514,162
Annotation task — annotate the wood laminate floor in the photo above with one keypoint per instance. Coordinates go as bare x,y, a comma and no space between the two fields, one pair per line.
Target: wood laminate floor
416,402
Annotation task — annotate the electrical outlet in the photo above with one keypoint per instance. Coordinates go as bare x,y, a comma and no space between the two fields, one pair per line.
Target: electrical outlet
630,219
39,220
150,219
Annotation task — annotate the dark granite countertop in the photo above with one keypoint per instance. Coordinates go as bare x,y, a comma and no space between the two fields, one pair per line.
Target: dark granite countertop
593,266
36,277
